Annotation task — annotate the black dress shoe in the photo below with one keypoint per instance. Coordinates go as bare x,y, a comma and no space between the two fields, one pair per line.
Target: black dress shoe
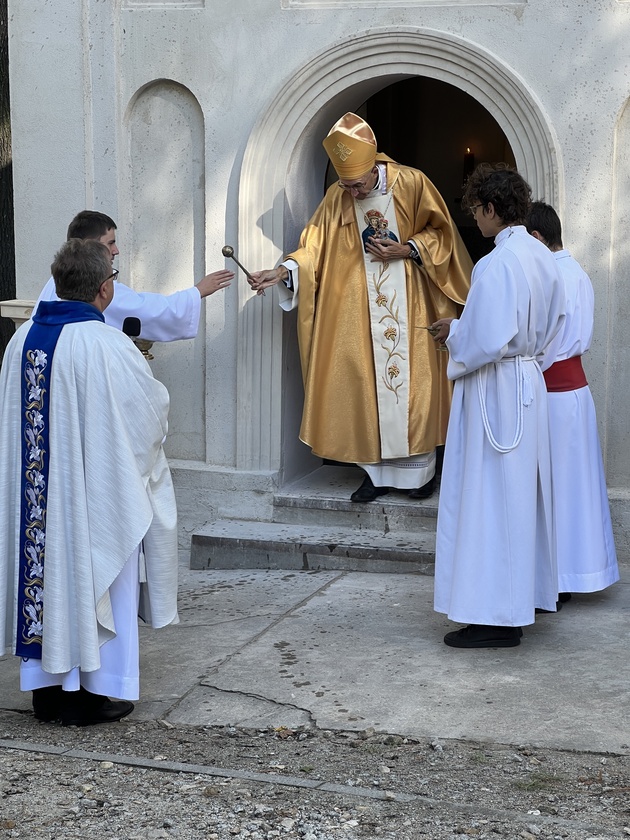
423,492
82,708
484,636
540,611
47,703
563,597
367,492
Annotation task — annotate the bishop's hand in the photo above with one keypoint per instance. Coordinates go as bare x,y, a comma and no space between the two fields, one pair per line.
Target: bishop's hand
261,280
386,250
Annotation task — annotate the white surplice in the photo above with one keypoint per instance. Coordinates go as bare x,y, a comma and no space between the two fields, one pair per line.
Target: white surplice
587,560
162,317
495,561
109,490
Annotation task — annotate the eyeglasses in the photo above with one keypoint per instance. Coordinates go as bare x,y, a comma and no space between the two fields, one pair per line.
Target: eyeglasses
474,208
113,275
358,186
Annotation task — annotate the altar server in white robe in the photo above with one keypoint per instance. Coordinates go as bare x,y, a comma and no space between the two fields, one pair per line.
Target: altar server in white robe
495,559
162,317
587,560
87,507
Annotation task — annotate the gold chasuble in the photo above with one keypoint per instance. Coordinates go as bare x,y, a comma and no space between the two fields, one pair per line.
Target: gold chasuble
375,384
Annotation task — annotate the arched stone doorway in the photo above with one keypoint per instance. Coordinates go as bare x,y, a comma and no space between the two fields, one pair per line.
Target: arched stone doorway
281,184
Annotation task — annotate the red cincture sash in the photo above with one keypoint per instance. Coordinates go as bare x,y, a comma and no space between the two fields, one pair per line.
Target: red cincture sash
566,375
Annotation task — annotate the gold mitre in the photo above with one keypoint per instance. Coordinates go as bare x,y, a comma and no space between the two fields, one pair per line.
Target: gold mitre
351,146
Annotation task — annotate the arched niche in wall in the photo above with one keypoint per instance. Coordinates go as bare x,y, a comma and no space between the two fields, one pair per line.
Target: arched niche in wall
283,170
163,236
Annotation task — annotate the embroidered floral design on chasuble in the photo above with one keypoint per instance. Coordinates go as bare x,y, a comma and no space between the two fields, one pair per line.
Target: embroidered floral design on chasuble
33,510
387,298
391,333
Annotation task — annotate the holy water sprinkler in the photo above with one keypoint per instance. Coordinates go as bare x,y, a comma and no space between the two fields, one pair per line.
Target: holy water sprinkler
228,252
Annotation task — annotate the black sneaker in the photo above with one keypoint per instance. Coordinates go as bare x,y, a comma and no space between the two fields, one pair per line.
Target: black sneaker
484,636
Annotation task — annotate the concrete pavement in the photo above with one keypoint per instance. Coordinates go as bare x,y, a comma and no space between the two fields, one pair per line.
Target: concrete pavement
351,650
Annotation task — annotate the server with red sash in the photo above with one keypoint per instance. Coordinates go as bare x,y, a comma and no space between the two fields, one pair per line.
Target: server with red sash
587,560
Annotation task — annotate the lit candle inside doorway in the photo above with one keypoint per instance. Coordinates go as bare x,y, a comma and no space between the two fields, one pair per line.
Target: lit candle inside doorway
469,164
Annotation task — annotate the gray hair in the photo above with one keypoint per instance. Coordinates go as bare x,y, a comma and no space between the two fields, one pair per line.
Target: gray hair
79,268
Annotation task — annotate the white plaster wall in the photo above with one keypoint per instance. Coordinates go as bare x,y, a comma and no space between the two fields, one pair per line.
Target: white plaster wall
164,216
48,133
69,109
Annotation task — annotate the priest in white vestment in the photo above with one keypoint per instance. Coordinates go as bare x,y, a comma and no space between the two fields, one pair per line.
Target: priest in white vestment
87,507
495,559
585,546
162,317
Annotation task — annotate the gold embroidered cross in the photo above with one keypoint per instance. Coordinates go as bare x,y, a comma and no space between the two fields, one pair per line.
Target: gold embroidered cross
342,150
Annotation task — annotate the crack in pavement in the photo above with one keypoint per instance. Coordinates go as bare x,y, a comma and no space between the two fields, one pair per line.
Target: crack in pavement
271,626
279,704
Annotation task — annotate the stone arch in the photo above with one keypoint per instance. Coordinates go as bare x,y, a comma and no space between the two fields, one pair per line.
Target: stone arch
282,177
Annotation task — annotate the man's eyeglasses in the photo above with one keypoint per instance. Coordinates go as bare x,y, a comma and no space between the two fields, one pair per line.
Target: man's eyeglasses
359,186
113,275
474,208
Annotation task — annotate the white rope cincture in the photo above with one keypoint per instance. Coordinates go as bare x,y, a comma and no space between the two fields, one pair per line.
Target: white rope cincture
482,377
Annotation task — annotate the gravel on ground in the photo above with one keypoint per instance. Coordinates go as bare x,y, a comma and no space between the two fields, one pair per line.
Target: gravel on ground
155,781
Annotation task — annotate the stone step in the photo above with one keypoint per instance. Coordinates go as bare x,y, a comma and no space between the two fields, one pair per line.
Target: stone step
323,497
239,544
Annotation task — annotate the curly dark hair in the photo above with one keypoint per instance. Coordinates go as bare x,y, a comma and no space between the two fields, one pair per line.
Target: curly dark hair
501,185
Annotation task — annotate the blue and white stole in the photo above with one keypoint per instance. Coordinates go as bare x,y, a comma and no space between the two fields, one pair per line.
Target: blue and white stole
37,356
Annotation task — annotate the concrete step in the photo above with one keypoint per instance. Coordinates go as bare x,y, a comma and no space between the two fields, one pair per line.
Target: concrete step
323,497
238,544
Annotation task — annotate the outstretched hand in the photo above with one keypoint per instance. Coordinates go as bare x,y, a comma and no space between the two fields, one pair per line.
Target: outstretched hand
261,280
214,282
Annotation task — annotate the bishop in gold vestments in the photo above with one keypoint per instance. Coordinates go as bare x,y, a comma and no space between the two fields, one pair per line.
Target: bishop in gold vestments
375,385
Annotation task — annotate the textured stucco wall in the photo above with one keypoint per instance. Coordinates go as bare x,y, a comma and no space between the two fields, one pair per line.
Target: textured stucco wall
145,110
